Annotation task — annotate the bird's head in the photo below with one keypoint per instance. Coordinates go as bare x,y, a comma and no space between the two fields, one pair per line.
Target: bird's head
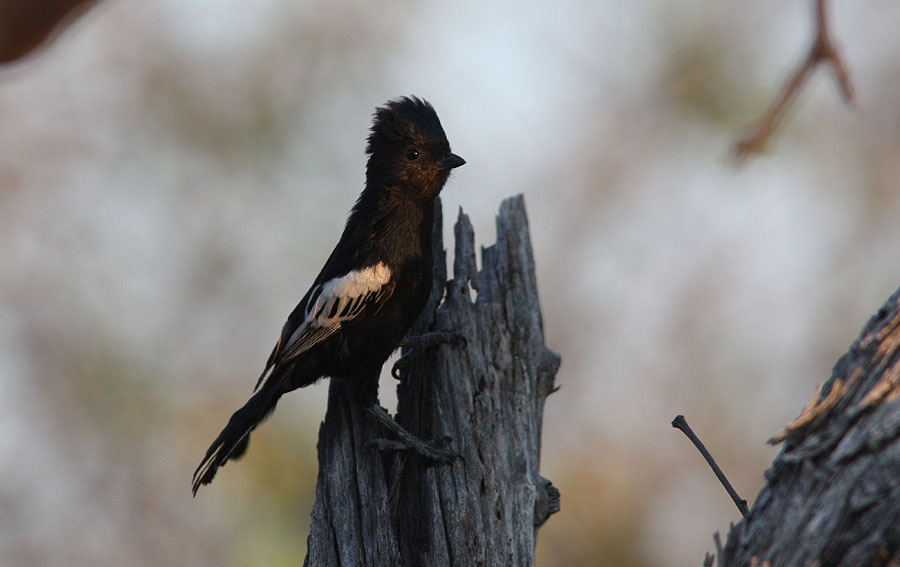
408,149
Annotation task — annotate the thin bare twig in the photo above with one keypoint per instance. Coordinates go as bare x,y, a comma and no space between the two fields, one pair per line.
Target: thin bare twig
680,423
822,50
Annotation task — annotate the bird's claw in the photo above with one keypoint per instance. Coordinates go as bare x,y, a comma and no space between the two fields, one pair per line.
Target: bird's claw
418,343
425,450
433,339
407,441
400,365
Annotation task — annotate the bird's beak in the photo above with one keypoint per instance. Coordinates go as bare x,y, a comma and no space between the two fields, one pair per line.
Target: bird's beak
452,160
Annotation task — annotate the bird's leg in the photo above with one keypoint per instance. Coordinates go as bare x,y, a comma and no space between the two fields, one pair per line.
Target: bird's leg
417,344
406,440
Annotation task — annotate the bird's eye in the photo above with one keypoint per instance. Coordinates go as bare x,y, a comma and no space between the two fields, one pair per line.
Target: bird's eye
411,154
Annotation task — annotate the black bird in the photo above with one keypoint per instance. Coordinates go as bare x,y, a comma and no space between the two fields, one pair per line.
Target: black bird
372,288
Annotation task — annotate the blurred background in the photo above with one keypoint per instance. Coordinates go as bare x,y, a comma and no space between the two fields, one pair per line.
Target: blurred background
174,173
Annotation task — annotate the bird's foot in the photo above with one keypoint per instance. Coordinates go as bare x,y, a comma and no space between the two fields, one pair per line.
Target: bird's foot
421,448
417,344
406,441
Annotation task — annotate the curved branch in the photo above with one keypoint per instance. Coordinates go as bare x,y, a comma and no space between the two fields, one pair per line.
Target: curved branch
822,51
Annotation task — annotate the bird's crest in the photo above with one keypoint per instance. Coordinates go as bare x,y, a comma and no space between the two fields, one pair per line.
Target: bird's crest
405,117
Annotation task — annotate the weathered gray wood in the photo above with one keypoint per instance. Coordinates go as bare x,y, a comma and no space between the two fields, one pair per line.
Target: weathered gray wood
487,396
832,497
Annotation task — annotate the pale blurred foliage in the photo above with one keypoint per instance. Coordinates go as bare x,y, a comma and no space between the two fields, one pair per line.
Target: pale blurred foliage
173,174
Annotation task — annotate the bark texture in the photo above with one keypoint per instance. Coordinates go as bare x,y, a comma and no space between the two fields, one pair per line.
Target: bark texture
832,496
484,397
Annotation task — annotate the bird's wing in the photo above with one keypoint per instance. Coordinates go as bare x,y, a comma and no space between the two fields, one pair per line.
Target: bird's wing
328,307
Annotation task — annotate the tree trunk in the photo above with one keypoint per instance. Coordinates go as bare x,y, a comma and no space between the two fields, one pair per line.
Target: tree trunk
832,497
487,396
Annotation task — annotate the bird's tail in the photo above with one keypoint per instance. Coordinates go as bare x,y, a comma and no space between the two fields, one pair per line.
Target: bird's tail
232,441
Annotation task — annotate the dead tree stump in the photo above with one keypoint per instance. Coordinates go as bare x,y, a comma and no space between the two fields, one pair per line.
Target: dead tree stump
487,396
832,496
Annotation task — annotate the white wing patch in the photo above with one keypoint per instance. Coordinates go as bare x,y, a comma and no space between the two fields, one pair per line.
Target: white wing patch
342,299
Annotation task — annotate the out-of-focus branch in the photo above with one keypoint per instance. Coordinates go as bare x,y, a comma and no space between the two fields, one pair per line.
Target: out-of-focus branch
822,50
26,24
